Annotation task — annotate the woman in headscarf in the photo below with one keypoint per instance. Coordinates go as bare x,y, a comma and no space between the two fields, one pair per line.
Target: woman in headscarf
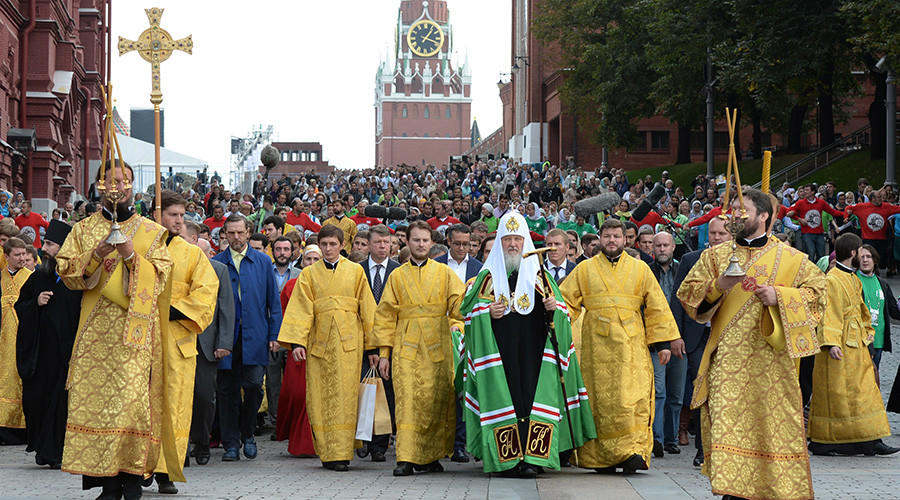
292,422
622,211
4,204
536,222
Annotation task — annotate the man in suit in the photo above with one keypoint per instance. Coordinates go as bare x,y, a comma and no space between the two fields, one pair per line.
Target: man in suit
458,237
213,344
557,264
257,315
695,335
377,268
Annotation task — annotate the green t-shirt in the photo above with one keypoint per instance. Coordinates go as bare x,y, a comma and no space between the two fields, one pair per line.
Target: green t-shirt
539,226
874,298
581,230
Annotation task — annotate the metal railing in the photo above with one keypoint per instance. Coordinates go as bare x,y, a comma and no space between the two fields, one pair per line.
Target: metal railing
821,158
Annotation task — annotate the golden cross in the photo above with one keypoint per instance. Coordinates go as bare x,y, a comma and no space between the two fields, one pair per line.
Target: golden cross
155,45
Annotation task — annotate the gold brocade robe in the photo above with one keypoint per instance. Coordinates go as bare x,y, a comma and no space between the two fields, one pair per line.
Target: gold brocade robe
747,389
331,313
10,384
846,404
414,319
192,290
115,377
348,226
615,360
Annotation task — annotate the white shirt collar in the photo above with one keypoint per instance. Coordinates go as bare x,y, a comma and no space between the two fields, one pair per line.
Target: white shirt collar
372,263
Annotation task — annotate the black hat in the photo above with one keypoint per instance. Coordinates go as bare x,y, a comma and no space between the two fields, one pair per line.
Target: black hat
57,231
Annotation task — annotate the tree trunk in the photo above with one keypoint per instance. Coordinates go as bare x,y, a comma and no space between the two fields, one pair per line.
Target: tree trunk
684,144
826,107
795,128
878,117
757,131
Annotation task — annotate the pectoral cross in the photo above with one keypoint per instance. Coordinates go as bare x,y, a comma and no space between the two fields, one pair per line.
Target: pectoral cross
156,45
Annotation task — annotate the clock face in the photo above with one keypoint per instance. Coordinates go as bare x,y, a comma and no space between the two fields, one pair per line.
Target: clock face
425,38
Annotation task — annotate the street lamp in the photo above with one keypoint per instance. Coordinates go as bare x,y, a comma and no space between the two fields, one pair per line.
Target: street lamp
524,59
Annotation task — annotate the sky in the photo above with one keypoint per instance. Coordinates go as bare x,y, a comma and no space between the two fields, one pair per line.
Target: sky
306,67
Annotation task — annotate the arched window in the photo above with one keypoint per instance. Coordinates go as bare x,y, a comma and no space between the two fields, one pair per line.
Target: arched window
406,113
447,114
427,113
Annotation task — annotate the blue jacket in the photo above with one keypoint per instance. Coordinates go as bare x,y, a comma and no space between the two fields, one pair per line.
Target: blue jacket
257,311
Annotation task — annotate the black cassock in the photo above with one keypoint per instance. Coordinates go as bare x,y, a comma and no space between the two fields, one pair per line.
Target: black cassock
43,350
520,342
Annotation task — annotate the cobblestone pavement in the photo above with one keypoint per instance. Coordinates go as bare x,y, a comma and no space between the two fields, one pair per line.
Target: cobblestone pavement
275,474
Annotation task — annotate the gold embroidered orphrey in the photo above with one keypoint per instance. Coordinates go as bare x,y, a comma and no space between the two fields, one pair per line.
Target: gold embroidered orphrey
523,302
507,441
512,225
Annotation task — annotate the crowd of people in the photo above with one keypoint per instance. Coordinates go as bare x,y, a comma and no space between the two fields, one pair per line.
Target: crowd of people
505,323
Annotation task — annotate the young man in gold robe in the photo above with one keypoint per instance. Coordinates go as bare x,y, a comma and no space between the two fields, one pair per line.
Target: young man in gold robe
12,277
187,308
339,219
327,322
751,415
115,382
612,289
847,415
418,311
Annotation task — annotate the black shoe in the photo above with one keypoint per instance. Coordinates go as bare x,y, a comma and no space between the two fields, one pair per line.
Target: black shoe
527,471
146,482
337,466
39,460
166,487
363,451
56,465
403,469
273,437
605,470
634,463
193,452
378,456
201,454
672,449
430,467
658,449
882,449
823,449
459,456
698,458
109,493
131,487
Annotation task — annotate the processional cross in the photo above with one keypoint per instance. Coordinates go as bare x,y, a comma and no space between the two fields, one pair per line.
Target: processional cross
155,45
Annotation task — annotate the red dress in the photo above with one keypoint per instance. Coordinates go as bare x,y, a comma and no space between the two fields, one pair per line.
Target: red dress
292,422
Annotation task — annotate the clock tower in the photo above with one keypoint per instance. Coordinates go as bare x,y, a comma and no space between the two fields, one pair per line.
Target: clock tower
422,102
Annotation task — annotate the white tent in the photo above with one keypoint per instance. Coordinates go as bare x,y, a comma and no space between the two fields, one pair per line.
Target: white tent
142,158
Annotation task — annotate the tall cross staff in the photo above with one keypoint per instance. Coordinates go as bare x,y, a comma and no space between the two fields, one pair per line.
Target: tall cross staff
155,45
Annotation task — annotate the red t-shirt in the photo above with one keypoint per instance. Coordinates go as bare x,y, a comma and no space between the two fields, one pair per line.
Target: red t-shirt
33,222
812,213
652,219
441,225
703,219
303,221
873,219
364,223
215,227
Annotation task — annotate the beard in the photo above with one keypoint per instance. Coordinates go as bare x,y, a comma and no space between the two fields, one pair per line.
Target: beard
751,226
612,254
854,263
663,259
281,260
512,262
48,263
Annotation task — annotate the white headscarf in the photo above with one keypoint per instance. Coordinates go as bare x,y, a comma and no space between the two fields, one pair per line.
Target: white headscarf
522,301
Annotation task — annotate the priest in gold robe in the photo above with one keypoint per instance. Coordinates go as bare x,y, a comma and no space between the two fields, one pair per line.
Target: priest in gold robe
611,290
327,322
12,277
115,381
418,311
847,415
339,218
751,415
187,308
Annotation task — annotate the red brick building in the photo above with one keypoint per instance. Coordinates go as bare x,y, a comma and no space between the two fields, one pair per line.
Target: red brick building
422,103
536,126
300,158
55,58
